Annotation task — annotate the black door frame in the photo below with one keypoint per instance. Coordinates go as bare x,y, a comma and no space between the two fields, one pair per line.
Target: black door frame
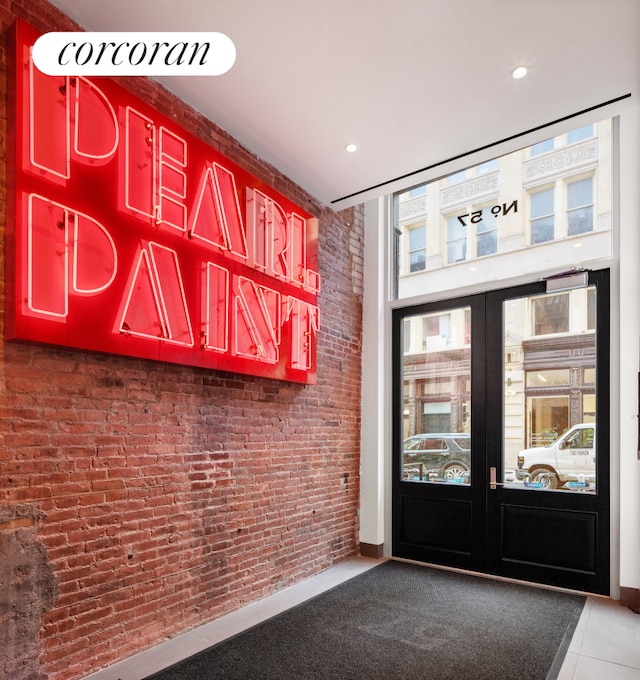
465,512
459,541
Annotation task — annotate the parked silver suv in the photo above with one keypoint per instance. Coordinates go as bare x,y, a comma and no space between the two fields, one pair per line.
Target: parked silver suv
437,456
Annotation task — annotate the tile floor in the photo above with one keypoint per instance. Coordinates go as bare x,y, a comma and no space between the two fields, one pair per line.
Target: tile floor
605,645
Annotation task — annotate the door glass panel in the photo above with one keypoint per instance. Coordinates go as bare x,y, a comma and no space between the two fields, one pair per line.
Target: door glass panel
437,397
549,392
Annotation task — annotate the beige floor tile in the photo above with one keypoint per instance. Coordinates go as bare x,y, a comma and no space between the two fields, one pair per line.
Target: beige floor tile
612,634
568,667
596,669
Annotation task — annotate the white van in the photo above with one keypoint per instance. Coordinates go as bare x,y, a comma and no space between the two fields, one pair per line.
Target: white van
570,459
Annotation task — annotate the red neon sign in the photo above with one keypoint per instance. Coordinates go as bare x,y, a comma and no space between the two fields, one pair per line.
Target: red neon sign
129,235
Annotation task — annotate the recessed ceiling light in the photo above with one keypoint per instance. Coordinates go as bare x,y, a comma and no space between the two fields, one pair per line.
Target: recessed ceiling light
519,72
351,148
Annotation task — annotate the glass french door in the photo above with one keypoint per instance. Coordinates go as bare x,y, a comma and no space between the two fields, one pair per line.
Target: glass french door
501,433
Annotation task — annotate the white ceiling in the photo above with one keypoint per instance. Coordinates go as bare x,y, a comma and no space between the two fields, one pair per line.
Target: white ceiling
411,82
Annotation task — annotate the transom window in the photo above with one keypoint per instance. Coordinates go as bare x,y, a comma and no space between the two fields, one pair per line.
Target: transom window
548,377
475,225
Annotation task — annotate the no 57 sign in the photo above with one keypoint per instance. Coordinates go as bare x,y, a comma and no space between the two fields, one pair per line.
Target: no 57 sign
128,235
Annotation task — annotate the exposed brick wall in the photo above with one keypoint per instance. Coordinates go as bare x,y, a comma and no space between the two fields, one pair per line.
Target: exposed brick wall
150,497
27,590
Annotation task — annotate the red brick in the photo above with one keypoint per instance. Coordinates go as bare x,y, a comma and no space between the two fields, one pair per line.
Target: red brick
141,473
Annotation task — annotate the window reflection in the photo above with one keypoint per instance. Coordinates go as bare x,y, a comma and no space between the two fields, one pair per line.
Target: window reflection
541,147
487,235
417,249
550,314
548,378
580,206
456,240
581,133
542,216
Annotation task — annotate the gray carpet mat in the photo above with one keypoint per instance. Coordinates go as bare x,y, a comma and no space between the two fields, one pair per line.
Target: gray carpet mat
401,621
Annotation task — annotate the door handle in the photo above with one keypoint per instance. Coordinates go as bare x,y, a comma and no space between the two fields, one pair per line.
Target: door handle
493,476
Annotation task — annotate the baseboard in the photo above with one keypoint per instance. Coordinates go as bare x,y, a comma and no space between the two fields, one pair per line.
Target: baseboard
630,597
372,550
